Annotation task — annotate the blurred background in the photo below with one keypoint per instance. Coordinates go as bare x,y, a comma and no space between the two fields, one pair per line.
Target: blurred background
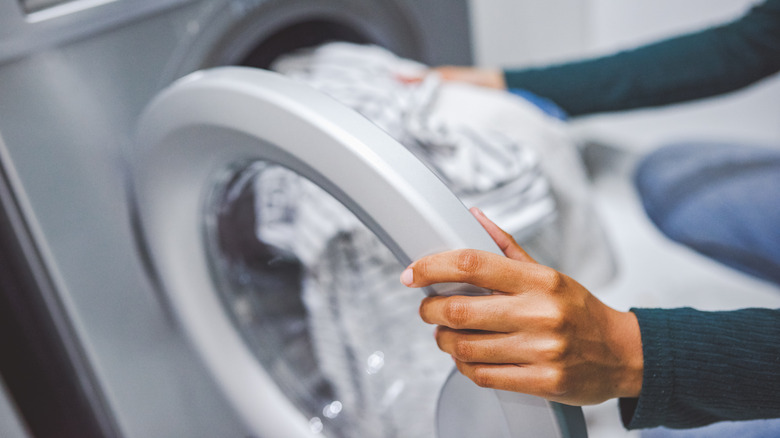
652,270
535,32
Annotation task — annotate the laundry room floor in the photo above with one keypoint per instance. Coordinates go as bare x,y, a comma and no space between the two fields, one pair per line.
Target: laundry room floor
652,270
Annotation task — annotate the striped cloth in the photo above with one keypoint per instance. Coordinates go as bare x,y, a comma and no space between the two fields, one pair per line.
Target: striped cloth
480,164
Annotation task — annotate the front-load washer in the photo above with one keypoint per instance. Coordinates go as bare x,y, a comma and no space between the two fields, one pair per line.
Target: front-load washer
103,336
303,328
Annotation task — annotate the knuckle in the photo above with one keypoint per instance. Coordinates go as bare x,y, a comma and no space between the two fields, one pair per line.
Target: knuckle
557,319
557,383
482,377
468,263
556,350
457,313
554,281
464,351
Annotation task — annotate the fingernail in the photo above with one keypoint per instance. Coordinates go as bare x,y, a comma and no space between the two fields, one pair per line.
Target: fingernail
477,212
407,277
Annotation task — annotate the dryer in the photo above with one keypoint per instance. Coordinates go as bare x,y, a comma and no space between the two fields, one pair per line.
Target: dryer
119,300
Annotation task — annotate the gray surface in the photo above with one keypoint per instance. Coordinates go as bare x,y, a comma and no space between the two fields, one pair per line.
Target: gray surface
71,89
465,410
22,34
11,425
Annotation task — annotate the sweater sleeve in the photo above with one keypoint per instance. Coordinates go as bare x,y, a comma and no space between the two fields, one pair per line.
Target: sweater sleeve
703,367
692,66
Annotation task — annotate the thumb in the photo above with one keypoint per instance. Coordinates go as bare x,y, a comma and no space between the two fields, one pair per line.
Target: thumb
504,240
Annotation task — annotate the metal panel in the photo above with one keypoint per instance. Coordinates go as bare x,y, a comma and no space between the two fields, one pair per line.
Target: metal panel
48,374
72,85
11,425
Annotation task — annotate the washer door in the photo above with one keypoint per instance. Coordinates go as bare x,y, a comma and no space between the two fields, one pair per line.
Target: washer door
276,222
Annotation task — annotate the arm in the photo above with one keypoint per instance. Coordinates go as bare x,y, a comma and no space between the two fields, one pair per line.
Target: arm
544,334
707,63
702,367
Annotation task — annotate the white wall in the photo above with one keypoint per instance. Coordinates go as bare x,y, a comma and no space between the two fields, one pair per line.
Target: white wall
618,24
527,32
522,32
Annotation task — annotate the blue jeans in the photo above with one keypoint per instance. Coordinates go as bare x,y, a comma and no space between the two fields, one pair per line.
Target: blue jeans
740,429
722,200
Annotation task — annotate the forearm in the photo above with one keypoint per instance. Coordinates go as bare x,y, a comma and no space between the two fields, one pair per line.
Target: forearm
703,367
693,66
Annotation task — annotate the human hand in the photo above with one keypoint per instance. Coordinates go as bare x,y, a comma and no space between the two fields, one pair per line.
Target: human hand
485,77
473,75
540,333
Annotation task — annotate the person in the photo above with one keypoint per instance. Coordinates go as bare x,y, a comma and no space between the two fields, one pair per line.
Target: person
543,333
710,197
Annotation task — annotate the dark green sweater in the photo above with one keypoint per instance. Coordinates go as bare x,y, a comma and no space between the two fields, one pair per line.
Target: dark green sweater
703,367
703,64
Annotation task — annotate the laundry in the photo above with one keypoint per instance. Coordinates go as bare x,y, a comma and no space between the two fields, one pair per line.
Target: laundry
376,354
495,150
472,158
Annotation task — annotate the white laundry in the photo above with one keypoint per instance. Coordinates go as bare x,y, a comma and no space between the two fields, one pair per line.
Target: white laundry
471,158
495,150
378,356
485,145
573,241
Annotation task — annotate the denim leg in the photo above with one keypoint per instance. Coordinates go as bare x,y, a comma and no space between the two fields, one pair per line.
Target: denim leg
722,200
728,429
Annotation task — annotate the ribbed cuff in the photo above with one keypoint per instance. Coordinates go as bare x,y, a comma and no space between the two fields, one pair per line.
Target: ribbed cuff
657,374
702,367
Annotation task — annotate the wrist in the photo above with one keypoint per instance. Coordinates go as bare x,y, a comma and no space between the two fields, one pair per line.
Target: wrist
499,80
628,340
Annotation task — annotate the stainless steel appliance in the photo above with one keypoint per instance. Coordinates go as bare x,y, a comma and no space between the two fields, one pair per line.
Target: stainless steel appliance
121,319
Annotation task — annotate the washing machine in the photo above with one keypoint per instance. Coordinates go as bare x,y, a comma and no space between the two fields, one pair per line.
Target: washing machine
144,291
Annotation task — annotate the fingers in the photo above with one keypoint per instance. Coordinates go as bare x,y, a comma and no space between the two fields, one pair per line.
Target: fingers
504,240
514,273
489,313
411,77
454,73
491,78
477,76
542,382
494,313
487,347
479,268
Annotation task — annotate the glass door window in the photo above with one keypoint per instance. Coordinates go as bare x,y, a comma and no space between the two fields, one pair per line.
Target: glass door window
316,297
